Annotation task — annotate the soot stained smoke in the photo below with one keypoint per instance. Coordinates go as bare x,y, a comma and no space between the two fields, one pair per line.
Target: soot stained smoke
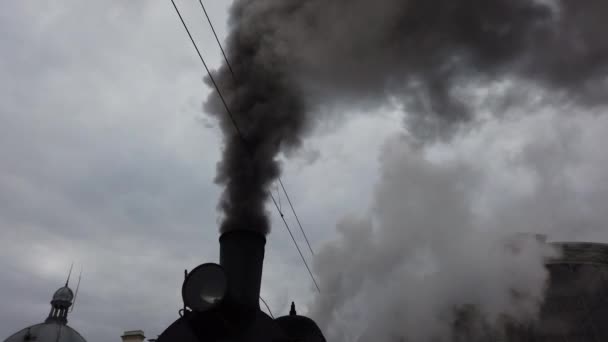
289,56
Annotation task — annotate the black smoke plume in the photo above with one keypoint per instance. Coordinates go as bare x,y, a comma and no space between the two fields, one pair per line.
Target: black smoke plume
290,56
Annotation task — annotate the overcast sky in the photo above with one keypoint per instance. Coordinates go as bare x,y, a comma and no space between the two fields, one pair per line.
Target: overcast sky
107,160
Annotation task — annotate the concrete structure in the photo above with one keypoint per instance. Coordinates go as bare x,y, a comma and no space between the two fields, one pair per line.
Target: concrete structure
576,304
575,307
133,336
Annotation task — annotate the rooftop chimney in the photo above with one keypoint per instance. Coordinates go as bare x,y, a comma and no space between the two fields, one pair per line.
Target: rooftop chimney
133,336
242,257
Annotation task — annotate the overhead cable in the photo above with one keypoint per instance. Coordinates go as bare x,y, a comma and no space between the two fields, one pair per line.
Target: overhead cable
233,120
228,64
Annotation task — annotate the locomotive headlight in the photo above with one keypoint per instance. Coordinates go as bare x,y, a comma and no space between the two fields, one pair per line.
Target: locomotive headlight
204,287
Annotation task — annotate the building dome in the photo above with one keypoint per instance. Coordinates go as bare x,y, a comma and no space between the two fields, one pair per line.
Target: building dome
64,294
46,332
300,328
54,328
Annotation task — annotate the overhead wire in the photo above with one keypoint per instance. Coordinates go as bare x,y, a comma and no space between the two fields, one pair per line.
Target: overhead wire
279,197
296,244
267,307
228,64
296,216
200,56
76,293
216,38
241,136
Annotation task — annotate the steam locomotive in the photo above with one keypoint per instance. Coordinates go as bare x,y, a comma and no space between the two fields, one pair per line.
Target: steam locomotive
221,302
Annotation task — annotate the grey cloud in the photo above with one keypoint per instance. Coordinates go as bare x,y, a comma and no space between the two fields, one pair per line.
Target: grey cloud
422,260
291,57
567,181
103,164
98,140
431,240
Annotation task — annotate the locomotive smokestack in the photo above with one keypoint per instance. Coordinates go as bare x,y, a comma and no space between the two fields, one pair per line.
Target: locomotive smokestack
242,257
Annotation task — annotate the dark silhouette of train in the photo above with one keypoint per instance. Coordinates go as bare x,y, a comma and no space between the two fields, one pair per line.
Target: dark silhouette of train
221,302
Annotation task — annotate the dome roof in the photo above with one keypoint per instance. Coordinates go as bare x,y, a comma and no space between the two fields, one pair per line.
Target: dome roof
300,328
46,332
64,294
54,328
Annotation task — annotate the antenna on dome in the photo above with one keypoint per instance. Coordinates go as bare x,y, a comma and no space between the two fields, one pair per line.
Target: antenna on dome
67,281
76,293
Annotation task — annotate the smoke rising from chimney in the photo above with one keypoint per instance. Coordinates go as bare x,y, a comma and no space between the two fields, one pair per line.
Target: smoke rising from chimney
290,57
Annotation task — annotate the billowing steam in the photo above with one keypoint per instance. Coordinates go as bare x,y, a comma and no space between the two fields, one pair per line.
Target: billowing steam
423,266
433,260
290,57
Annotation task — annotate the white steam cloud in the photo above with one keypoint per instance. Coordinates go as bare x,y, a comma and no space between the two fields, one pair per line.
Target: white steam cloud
435,240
